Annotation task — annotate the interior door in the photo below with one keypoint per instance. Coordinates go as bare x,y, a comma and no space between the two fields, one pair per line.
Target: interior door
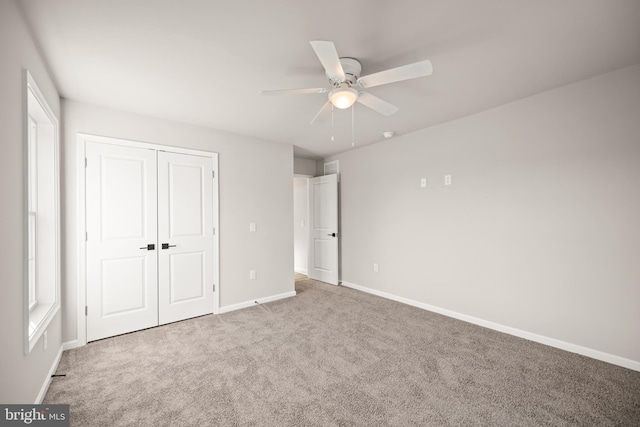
323,226
121,251
185,233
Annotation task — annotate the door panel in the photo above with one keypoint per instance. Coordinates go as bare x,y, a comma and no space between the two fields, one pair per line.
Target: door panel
186,190
123,276
185,225
129,189
121,203
187,265
323,224
322,255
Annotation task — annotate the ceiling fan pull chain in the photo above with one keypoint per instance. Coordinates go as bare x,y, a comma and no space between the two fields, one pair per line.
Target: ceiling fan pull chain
353,125
332,108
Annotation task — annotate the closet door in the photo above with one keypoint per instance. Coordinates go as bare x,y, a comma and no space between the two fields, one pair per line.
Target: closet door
185,236
121,250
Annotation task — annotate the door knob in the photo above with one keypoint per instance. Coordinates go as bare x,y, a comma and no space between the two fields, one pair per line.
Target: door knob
332,234
149,247
167,246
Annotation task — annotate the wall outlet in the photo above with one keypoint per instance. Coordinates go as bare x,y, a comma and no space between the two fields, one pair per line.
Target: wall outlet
375,267
447,180
252,227
45,339
423,182
252,275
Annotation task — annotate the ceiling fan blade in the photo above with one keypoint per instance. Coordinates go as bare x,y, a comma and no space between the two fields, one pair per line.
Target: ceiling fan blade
376,104
405,72
328,56
325,109
294,91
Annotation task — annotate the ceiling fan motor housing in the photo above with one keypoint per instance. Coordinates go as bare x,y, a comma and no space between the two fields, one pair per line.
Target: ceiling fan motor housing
352,69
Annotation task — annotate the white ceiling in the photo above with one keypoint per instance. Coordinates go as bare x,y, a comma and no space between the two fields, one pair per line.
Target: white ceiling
205,62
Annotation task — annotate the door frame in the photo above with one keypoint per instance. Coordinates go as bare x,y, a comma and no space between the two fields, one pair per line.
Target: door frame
306,219
81,288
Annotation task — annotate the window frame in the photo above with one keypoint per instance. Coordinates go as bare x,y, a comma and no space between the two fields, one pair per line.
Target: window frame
41,157
32,209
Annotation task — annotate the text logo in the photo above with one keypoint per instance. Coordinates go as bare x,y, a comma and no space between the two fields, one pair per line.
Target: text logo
34,415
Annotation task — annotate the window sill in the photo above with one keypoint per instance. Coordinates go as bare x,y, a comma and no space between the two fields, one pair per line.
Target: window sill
39,320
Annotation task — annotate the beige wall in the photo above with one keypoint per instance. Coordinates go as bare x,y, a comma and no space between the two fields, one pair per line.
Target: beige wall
21,377
254,185
304,166
540,230
320,167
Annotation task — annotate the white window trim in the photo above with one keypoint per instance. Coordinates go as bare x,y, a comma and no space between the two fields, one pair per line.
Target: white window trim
38,316
32,239
32,209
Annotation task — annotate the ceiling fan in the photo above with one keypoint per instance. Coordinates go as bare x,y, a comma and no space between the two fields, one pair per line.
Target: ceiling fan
346,83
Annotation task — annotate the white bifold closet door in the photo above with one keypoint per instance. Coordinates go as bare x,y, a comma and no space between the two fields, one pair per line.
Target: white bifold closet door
149,238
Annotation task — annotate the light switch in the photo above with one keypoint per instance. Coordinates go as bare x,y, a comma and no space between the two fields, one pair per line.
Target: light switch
423,182
252,227
252,275
447,180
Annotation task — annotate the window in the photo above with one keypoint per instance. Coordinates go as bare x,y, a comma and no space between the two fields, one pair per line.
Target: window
42,282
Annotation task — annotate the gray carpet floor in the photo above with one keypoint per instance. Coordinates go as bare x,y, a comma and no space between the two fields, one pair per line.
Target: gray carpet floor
333,356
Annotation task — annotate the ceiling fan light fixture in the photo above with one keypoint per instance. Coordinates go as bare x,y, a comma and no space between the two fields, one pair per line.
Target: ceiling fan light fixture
343,97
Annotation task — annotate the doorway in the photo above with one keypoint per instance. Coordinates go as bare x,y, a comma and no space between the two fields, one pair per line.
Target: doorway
324,245
315,222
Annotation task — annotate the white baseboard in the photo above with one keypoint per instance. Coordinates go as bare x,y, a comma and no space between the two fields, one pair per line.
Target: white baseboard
69,345
54,367
552,342
47,381
301,271
233,307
